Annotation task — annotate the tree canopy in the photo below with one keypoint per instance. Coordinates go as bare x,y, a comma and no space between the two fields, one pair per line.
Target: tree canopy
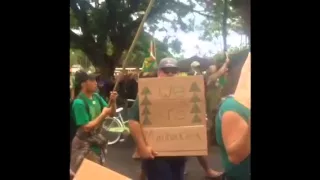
224,15
78,57
109,27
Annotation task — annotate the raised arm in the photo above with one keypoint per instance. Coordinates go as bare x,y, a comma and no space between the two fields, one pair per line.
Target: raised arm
110,110
215,74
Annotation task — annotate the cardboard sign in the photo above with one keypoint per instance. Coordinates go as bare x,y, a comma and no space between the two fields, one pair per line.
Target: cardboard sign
243,91
93,171
172,112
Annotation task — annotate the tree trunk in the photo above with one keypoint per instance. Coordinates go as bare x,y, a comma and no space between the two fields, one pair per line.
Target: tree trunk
106,72
104,66
245,11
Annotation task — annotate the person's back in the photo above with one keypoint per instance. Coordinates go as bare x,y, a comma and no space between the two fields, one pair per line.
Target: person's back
233,126
233,171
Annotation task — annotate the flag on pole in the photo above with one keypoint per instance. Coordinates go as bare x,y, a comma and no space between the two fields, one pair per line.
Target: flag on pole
150,62
152,50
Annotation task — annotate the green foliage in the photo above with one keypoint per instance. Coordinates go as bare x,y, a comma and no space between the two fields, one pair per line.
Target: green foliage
109,27
78,57
237,21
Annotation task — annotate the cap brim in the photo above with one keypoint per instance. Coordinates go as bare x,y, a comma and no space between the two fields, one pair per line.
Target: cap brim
92,76
169,66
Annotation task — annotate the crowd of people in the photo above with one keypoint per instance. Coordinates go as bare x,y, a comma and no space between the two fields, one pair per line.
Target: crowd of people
228,120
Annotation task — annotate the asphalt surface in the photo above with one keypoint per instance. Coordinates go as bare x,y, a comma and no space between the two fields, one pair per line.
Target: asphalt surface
119,159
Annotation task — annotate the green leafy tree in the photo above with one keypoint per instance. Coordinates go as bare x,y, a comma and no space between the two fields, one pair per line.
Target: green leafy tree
78,57
108,27
224,16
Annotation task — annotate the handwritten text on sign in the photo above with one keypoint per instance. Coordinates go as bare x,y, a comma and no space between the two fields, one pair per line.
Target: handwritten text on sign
172,111
178,102
172,92
176,138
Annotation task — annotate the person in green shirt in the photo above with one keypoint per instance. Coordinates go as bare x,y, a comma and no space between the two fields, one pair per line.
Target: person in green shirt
233,127
89,110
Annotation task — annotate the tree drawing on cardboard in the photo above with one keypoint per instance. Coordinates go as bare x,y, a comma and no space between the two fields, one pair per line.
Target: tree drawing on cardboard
195,110
146,102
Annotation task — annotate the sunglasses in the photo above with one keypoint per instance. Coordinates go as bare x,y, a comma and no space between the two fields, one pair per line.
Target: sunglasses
170,70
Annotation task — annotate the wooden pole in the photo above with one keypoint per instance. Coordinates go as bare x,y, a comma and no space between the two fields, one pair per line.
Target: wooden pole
155,48
135,40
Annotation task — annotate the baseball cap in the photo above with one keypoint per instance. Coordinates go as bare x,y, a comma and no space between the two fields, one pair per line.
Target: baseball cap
81,76
195,64
168,63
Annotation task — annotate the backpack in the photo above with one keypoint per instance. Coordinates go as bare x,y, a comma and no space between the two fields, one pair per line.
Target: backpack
73,126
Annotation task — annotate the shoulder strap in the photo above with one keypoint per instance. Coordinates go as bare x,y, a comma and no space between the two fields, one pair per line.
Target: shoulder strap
85,104
99,100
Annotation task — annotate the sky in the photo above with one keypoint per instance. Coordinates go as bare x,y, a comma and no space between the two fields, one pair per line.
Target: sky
191,44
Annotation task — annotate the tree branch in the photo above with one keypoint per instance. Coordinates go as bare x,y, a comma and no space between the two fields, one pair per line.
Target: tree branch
203,14
191,9
76,40
81,16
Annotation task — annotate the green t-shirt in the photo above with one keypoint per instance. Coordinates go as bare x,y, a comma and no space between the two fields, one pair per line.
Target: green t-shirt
80,113
133,113
222,81
240,171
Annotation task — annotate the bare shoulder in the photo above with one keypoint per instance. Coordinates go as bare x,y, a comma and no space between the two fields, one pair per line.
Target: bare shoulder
233,127
231,118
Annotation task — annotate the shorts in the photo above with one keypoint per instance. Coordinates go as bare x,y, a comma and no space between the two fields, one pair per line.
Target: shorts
164,168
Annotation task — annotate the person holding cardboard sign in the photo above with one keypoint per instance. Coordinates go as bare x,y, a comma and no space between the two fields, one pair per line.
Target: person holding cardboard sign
156,168
233,128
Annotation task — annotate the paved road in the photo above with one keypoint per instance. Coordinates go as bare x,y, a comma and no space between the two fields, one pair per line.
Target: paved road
119,160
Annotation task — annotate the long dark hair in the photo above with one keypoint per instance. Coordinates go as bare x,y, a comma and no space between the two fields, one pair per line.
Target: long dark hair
234,71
